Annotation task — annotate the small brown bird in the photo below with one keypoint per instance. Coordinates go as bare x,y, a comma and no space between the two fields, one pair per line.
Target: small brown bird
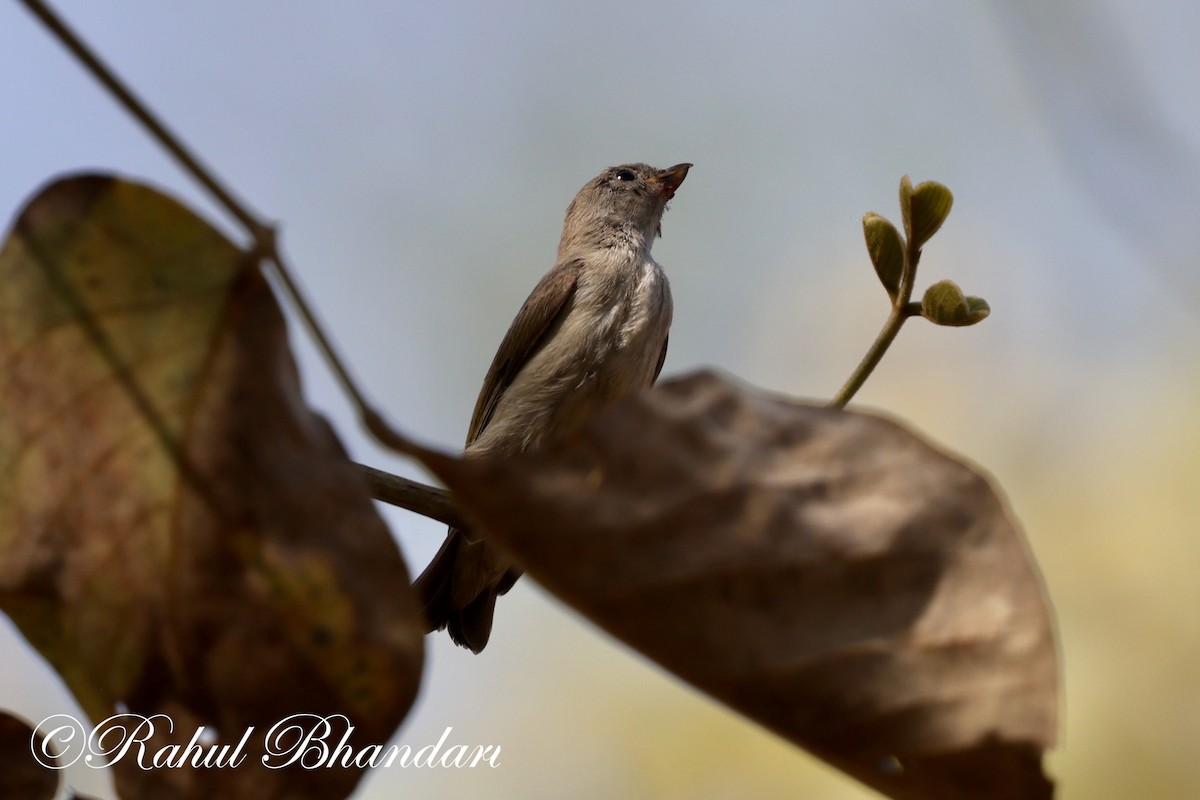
594,329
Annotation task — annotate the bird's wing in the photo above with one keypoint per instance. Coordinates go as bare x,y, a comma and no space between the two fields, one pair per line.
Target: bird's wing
662,356
549,301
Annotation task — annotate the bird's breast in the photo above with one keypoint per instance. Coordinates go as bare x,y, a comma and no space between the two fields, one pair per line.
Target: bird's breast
625,322
630,312
608,344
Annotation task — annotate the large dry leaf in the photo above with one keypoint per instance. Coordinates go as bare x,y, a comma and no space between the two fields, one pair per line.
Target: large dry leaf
21,774
826,573
179,533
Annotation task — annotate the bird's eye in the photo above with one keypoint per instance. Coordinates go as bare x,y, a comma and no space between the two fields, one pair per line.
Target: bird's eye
625,175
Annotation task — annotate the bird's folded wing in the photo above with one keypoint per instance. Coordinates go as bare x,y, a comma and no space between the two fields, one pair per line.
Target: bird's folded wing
550,299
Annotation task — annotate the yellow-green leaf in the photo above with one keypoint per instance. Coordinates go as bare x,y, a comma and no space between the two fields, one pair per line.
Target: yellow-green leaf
906,189
945,304
977,309
929,205
179,533
886,249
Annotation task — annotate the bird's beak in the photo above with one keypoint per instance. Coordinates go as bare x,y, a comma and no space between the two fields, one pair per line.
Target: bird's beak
670,178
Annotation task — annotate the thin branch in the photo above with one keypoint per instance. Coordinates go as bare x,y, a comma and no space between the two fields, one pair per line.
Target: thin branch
871,360
428,501
262,234
902,309
142,114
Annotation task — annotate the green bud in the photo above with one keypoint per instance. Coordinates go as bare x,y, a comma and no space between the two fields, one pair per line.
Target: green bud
925,208
886,249
977,309
945,304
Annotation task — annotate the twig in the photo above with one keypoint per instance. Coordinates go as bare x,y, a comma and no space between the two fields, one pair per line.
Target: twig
142,114
428,501
263,235
902,309
874,355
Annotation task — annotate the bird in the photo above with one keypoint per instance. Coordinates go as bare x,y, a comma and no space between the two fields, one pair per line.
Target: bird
594,329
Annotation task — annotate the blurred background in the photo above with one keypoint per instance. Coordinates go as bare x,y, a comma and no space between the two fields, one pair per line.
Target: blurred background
419,157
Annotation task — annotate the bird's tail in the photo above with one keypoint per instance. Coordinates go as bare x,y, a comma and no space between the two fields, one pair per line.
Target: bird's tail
433,585
470,625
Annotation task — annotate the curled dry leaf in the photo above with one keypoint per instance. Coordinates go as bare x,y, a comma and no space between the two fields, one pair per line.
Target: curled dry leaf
179,533
826,573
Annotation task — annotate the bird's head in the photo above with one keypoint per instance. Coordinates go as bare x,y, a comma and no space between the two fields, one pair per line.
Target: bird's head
621,204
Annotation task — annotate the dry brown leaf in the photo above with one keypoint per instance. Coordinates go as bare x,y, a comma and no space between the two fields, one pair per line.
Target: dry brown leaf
179,533
826,573
21,775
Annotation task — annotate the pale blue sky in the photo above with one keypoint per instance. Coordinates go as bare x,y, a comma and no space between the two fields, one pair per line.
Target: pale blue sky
419,157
